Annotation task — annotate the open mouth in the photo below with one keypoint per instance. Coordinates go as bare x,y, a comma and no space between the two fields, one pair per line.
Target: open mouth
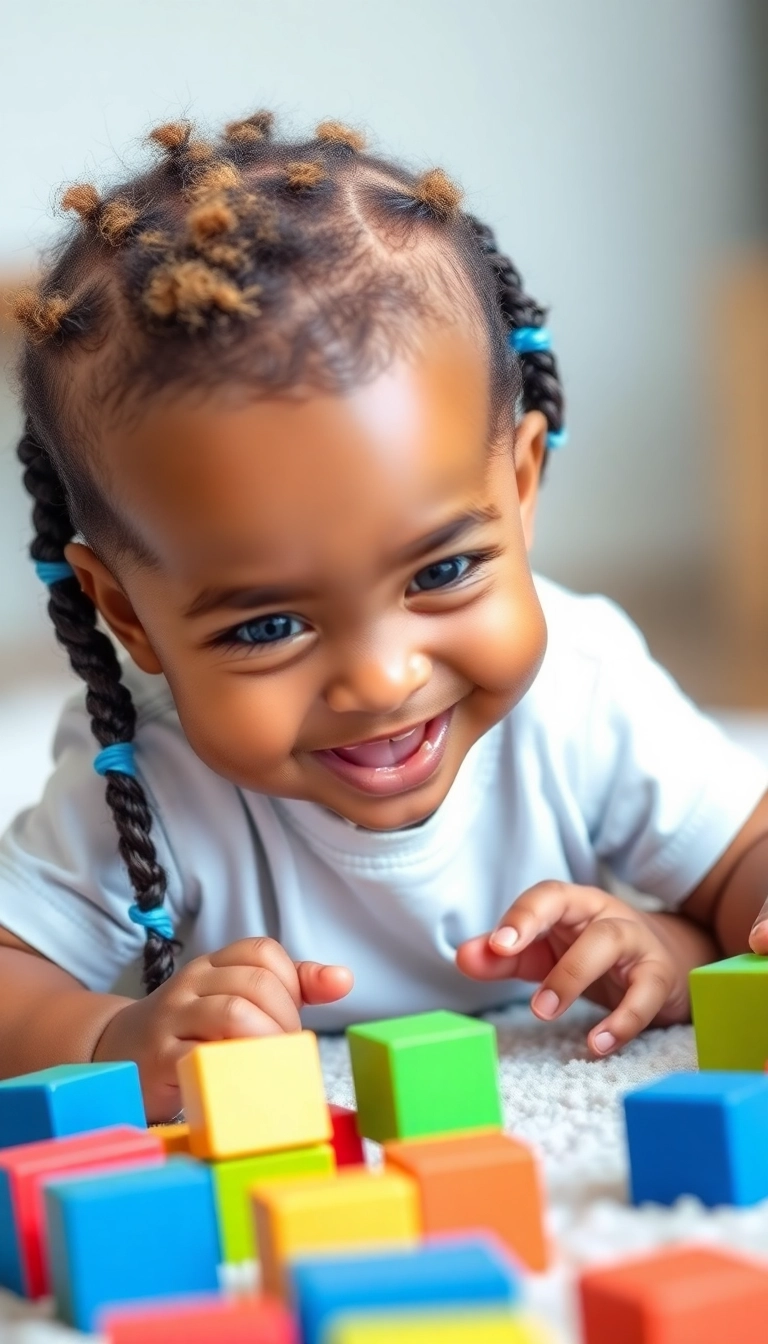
391,764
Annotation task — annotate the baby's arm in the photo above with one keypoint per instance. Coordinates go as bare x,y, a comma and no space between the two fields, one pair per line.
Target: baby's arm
732,900
250,988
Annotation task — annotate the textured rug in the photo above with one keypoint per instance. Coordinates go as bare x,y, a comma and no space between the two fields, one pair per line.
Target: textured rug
567,1106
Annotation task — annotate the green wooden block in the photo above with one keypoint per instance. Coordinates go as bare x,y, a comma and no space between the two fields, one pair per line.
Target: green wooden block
233,1180
729,1004
433,1073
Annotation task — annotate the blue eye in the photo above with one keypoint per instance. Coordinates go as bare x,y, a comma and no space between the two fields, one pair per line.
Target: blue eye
268,630
441,574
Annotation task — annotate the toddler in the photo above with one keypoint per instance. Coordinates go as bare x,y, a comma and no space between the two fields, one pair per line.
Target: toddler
287,412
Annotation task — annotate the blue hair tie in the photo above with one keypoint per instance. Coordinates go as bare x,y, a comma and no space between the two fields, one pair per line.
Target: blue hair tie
557,438
119,757
530,340
53,571
156,919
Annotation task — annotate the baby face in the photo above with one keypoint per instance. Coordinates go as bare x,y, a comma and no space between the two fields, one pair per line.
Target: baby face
341,600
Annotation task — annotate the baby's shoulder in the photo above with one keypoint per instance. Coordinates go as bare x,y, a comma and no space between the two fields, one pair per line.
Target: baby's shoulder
586,627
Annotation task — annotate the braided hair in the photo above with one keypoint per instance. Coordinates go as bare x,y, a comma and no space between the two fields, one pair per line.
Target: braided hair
253,262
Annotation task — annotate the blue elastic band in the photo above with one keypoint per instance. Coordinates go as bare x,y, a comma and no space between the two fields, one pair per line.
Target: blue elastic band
119,757
530,340
156,919
53,571
557,438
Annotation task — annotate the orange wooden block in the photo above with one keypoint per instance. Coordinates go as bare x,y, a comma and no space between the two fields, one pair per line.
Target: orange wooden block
479,1180
174,1138
682,1295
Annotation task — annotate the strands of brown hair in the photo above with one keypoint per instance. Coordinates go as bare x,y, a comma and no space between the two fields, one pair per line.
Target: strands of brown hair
41,318
436,191
336,133
303,176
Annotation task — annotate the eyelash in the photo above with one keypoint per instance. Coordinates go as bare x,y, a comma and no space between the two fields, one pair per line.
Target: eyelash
228,638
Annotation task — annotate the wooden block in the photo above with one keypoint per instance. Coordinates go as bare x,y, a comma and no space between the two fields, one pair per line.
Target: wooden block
440,1327
465,1273
488,1181
254,1096
174,1138
352,1209
24,1170
683,1295
431,1073
215,1320
347,1144
729,1004
234,1179
143,1233
699,1134
69,1099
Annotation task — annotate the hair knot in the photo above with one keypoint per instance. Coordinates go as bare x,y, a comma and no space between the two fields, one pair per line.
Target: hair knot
438,193
303,175
82,199
212,180
41,318
250,130
336,133
172,136
117,219
191,291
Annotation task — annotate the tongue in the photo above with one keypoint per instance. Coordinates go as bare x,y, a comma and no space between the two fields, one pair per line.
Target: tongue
390,751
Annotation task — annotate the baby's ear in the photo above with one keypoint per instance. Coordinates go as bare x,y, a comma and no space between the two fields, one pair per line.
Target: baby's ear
530,448
112,604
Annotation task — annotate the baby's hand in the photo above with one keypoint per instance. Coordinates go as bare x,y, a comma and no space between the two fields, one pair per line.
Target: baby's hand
578,940
250,988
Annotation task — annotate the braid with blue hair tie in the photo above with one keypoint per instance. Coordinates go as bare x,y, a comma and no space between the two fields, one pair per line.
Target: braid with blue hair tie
109,703
528,337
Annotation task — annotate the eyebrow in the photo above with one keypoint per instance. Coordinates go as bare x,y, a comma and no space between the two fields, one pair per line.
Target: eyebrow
272,594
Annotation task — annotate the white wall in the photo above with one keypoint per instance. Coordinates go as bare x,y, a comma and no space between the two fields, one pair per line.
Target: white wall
609,142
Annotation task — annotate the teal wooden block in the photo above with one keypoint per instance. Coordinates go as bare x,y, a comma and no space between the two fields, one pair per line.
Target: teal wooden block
729,1003
69,1099
432,1073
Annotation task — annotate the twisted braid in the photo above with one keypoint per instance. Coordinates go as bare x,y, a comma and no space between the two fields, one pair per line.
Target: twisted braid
109,703
541,383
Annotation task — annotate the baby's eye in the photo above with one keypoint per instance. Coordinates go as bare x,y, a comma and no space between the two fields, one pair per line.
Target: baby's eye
268,629
441,573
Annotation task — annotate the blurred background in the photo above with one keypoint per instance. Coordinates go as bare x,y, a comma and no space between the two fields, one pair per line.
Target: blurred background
618,149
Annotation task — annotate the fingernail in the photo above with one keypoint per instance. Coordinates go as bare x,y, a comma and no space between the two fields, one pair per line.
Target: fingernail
503,940
604,1041
547,1002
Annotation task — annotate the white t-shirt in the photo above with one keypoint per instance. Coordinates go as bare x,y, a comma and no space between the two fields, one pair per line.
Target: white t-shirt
604,761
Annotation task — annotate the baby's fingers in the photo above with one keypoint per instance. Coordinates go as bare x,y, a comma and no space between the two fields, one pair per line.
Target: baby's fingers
222,1017
601,947
538,910
323,984
758,938
649,986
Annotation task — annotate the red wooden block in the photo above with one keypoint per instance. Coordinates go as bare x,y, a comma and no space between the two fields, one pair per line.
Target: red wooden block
680,1295
216,1320
24,1170
347,1144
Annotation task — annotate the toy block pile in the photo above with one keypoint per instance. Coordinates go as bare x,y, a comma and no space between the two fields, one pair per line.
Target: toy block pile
128,1226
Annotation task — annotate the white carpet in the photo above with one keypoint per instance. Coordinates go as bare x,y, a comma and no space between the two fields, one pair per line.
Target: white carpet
554,1096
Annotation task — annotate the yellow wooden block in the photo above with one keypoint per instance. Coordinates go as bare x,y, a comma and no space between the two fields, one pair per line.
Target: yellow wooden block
254,1096
354,1209
463,1326
174,1138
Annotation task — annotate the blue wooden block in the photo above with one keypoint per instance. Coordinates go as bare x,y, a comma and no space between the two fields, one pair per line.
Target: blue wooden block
69,1099
699,1134
142,1233
469,1270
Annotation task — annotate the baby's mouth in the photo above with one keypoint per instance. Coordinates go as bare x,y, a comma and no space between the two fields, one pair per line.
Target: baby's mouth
389,765
384,751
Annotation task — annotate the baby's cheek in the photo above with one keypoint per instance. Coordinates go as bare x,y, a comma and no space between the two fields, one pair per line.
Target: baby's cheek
504,648
244,729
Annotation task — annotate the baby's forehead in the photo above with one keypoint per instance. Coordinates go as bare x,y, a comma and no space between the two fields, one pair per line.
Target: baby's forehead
278,473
